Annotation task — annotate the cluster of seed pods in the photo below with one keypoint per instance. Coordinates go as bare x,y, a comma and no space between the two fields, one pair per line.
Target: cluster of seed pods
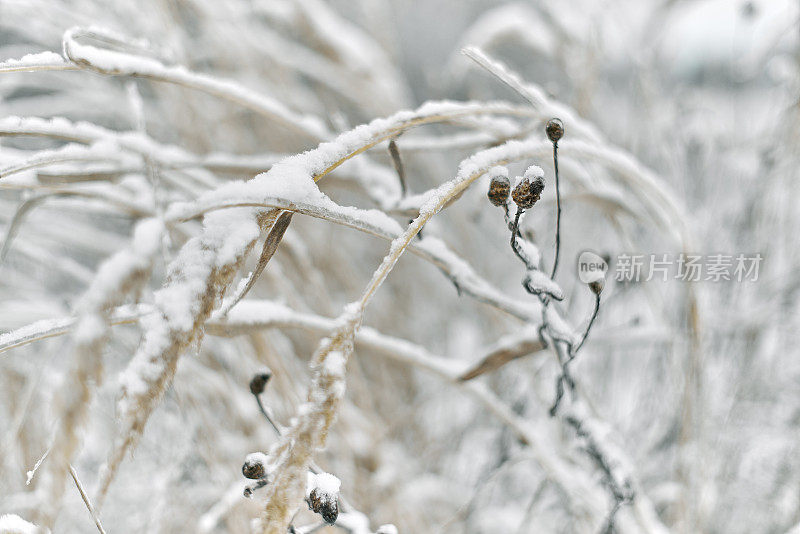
527,189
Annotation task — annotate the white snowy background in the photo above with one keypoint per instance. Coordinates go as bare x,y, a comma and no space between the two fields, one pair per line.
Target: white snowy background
147,149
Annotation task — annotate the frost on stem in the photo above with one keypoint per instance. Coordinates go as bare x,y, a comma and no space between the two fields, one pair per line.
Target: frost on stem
113,62
309,432
614,467
122,274
14,524
538,283
204,267
34,62
207,264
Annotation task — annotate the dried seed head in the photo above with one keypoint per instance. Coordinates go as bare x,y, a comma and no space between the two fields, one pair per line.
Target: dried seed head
259,382
322,494
254,466
597,286
499,186
555,130
527,192
324,504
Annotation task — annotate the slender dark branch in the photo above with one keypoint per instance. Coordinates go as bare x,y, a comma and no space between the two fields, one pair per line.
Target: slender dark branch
608,528
577,347
260,483
398,166
621,489
559,394
453,280
515,246
542,338
564,378
515,231
267,415
572,350
558,211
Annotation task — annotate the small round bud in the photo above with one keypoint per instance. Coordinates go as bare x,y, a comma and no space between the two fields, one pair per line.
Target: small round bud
499,187
254,466
555,130
259,382
597,286
527,192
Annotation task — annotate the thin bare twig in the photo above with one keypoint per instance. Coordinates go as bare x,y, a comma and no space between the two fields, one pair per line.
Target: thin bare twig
267,415
86,500
577,347
558,211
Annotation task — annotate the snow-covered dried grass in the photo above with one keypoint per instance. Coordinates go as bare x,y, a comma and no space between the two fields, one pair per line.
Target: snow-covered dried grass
196,191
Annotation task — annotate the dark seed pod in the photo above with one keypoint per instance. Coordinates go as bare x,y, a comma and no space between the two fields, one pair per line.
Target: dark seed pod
259,382
252,471
324,505
253,467
537,186
555,130
499,186
597,286
527,192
